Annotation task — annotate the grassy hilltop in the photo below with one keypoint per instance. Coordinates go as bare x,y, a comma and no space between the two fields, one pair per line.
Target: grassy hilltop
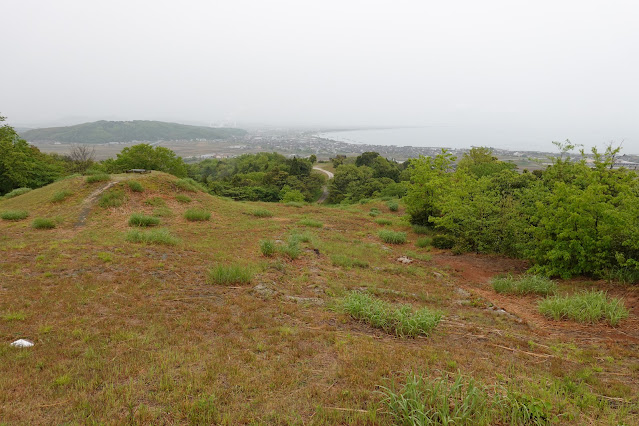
150,301
127,131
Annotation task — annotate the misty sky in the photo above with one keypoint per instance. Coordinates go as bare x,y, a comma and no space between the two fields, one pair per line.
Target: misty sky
533,64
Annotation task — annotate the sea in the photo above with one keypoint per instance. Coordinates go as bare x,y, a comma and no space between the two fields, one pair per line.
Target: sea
465,137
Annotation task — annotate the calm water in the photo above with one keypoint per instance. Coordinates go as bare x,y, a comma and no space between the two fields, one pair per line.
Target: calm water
468,136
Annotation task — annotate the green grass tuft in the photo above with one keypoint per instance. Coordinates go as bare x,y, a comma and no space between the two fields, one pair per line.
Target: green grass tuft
154,236
347,262
310,222
14,215
113,198
400,320
162,212
188,184
392,206
382,221
527,284
155,202
43,223
421,229
230,274
61,196
267,247
16,192
139,219
587,306
295,204
197,215
183,198
392,237
261,213
135,186
423,242
98,177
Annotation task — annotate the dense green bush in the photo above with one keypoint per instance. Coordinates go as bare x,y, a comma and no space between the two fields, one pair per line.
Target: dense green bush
14,215
445,242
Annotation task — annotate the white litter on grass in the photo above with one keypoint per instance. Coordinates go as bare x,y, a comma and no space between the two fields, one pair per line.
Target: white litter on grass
21,343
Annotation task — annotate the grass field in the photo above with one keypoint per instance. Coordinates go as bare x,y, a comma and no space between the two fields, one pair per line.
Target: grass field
127,331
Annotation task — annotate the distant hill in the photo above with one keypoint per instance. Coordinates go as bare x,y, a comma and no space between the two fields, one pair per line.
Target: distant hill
127,131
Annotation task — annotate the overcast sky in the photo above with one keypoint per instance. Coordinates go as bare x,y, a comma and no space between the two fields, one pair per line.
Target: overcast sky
324,63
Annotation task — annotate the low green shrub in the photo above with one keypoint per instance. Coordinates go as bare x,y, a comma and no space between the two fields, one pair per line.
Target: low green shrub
586,306
183,198
43,223
421,229
61,196
135,186
310,222
400,320
424,242
267,247
139,219
113,198
392,206
98,177
261,213
197,215
445,242
16,192
392,237
292,249
14,215
153,236
188,184
230,274
374,212
526,284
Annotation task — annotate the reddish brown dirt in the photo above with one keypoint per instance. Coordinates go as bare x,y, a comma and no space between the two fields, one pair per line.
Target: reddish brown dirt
474,272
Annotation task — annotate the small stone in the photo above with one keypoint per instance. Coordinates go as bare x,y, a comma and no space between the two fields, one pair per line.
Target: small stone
404,260
22,343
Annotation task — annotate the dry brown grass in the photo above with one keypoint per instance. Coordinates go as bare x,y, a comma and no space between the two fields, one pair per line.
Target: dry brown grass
133,333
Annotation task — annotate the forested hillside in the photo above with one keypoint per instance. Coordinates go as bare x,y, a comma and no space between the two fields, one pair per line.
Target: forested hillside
128,131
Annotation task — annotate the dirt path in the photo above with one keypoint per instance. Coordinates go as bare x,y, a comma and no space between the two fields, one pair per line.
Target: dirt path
324,195
90,201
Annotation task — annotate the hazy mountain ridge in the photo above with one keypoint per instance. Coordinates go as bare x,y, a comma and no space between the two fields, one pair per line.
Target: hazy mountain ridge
128,131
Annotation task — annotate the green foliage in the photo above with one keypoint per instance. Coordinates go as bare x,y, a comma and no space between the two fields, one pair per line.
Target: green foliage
392,237
155,201
135,186
153,236
60,196
14,215
353,183
586,306
463,401
310,222
145,156
139,219
374,212
230,274
526,284
444,242
347,262
16,192
114,198
392,206
188,184
194,215
424,242
43,223
401,320
383,221
261,213
292,196
267,247
181,198
98,177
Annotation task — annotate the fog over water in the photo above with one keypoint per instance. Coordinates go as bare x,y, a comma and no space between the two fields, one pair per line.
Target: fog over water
524,72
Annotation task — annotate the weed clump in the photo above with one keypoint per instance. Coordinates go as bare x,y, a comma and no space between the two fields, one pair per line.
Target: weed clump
155,201
112,199
188,184
61,196
230,274
267,247
392,206
424,242
162,212
382,221
261,213
527,284
135,186
392,237
16,192
197,215
444,242
587,306
139,219
184,199
374,212
14,215
347,262
43,223
401,320
310,222
421,229
98,177
154,236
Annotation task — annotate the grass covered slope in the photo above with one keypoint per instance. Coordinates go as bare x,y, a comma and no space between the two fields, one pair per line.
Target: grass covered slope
209,328
128,131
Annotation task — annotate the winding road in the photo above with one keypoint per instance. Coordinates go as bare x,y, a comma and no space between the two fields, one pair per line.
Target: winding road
324,195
